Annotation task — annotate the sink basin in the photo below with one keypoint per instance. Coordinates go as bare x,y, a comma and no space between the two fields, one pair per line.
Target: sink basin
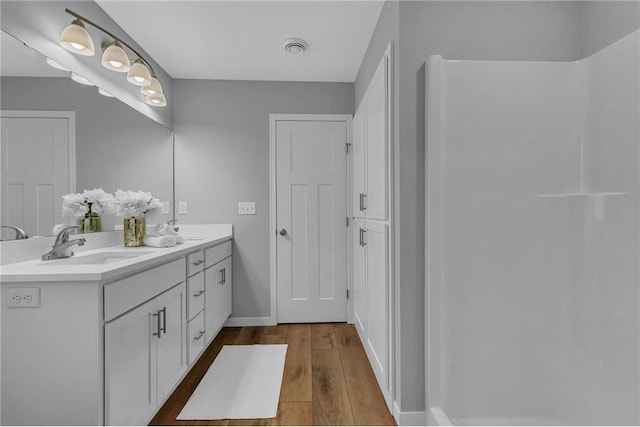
99,258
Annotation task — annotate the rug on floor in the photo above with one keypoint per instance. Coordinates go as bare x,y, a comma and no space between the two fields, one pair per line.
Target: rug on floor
243,382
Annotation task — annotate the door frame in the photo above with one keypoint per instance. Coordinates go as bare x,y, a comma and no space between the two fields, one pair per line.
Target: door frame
273,254
71,121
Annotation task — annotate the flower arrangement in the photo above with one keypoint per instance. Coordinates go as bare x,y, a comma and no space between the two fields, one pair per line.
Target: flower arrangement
96,201
135,203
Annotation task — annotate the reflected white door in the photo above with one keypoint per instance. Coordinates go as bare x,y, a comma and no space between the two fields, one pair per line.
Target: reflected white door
35,172
311,210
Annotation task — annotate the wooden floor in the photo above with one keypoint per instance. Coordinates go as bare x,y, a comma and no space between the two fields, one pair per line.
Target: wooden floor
327,378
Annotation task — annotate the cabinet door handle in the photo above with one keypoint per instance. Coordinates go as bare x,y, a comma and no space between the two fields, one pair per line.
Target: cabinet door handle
224,276
200,261
164,320
360,242
157,315
360,202
199,293
364,239
364,202
199,336
221,281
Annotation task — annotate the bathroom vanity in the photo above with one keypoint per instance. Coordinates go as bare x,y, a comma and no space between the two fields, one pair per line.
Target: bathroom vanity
104,337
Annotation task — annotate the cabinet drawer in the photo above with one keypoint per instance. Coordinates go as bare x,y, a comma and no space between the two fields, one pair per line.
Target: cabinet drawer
125,294
195,292
217,253
196,337
195,262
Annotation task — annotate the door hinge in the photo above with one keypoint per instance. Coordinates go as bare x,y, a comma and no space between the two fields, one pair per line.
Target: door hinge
348,144
347,293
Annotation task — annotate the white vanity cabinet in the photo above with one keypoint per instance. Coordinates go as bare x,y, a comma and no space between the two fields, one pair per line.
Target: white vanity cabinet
108,344
145,347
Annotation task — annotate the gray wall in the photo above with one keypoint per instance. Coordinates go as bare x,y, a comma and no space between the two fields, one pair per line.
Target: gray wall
116,146
604,22
222,158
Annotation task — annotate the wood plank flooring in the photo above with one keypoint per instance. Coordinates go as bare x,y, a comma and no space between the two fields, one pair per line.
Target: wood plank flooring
327,378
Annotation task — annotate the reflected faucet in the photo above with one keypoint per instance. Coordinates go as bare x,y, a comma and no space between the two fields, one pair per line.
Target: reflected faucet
62,246
20,233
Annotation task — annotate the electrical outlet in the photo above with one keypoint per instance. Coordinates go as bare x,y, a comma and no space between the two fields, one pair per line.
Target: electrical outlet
23,297
246,208
182,208
166,208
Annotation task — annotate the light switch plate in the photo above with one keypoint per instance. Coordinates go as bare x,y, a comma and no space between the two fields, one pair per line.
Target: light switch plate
165,208
182,208
246,208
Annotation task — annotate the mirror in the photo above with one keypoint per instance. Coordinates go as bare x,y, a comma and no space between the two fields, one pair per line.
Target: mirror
115,146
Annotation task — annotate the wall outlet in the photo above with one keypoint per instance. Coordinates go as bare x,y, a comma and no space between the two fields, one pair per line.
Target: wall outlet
246,208
23,297
182,208
166,208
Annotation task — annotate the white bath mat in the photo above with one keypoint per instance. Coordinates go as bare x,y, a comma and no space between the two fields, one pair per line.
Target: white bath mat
243,382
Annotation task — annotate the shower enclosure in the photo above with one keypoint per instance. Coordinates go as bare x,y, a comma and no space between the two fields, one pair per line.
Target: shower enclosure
533,240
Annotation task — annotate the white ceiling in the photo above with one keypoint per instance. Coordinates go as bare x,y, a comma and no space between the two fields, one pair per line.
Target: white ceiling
242,40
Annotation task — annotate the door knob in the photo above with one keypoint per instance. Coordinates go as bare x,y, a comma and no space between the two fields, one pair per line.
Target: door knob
283,232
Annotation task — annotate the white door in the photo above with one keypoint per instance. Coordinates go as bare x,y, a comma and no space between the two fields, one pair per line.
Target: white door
311,211
35,173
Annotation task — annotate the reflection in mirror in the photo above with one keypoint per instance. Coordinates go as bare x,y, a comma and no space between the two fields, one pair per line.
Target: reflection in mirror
59,137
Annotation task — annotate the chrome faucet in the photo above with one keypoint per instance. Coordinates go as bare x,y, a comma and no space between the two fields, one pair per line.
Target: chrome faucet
169,223
62,246
20,233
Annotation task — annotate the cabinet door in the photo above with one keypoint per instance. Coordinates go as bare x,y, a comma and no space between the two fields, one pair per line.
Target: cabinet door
171,344
130,376
358,158
359,279
227,290
212,304
377,296
377,146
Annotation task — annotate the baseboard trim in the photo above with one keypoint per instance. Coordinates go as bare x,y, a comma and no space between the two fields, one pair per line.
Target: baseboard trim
418,418
437,417
250,321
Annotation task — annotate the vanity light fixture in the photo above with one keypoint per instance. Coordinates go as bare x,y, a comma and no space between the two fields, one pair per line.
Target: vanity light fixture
79,79
114,58
104,93
153,89
139,74
157,100
75,38
54,64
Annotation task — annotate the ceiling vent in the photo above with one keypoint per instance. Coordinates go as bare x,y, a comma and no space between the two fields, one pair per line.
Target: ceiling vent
295,46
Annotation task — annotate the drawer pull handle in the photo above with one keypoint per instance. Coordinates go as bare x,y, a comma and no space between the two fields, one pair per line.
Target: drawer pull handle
200,261
164,319
199,293
157,333
199,336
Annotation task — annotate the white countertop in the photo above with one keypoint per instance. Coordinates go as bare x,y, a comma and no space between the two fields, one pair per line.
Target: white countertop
36,270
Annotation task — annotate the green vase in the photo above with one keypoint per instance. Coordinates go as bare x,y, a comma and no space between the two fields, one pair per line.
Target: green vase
90,223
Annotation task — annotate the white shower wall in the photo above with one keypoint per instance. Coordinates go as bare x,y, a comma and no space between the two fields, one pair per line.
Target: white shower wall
533,239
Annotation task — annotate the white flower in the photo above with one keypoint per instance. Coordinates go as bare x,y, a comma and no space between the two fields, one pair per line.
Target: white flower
134,203
79,204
